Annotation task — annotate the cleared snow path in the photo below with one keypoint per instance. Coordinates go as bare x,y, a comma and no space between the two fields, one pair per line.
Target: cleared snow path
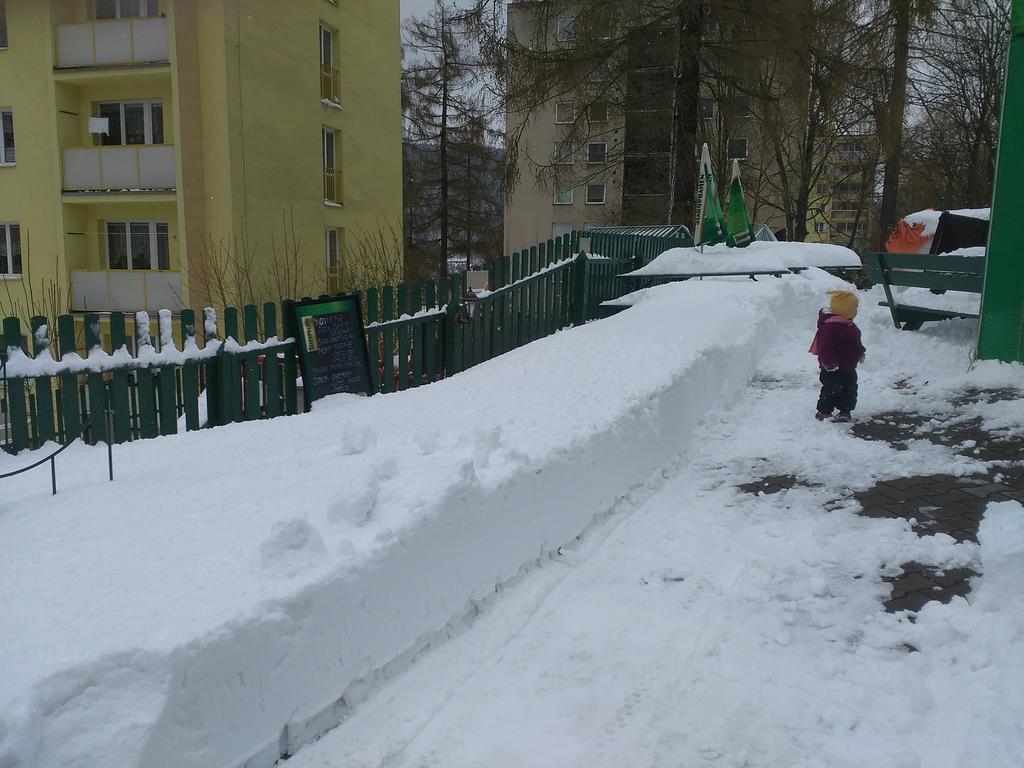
704,626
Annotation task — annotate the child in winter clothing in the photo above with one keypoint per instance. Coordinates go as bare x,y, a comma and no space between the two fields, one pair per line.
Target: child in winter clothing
838,347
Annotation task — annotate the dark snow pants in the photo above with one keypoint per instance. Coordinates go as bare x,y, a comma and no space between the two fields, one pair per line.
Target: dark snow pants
838,391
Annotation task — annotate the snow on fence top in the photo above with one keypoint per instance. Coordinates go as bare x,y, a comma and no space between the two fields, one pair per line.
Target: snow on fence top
930,218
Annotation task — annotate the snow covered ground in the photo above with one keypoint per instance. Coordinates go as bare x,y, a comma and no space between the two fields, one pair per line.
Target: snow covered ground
237,592
703,626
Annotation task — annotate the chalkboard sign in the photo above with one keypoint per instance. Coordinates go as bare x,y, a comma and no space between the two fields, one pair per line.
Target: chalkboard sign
332,347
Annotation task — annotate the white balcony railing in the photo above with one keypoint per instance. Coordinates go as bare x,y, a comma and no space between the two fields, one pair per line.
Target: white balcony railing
122,290
112,42
135,167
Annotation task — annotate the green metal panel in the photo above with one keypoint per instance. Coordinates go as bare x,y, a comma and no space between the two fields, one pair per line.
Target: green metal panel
68,382
42,419
97,386
168,391
250,322
387,352
290,360
120,395
231,323
403,338
16,404
1001,331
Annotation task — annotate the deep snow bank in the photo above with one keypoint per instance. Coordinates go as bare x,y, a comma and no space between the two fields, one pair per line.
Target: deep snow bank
234,591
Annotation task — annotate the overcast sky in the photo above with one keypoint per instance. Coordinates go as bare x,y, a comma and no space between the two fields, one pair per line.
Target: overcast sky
415,7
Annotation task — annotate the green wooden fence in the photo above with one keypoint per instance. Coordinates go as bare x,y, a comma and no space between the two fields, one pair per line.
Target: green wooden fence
244,367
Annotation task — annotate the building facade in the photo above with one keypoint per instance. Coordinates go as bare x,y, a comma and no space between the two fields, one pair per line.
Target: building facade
158,152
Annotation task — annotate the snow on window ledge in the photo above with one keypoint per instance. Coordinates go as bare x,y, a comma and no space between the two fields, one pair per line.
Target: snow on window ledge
331,104
332,204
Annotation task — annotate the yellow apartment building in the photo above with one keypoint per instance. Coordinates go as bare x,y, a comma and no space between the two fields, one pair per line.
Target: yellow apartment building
146,141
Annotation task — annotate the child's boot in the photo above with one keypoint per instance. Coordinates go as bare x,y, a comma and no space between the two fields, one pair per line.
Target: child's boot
844,416
821,415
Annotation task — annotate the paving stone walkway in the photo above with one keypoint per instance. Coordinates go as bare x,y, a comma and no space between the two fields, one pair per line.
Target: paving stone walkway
936,503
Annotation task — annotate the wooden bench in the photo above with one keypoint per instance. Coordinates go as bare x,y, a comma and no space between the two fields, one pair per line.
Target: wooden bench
936,273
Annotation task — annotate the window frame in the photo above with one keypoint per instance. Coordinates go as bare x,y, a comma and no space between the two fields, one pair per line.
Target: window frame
590,111
328,232
152,8
820,228
564,153
604,156
7,270
3,25
746,149
572,108
604,192
566,226
333,134
563,186
3,141
153,226
565,22
147,122
331,33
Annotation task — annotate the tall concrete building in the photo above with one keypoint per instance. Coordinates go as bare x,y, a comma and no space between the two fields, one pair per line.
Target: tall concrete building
143,137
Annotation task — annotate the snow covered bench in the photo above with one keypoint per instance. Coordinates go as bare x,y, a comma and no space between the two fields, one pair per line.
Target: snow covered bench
952,283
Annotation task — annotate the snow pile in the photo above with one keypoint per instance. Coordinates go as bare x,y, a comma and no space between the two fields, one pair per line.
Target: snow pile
235,591
702,625
759,256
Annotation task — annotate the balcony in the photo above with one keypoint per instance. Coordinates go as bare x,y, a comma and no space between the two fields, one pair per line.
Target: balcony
121,290
134,168
109,43
332,186
329,88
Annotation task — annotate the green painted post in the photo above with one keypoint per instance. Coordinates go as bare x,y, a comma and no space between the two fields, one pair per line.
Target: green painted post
579,290
1001,331
44,393
403,338
17,410
68,382
119,390
416,333
291,366
97,387
372,310
189,371
271,366
373,350
387,352
450,339
249,366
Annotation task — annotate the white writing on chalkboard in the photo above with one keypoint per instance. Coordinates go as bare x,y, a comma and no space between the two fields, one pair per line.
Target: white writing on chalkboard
336,357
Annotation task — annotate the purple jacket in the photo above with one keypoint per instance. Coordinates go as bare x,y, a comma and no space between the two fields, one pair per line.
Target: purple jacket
837,343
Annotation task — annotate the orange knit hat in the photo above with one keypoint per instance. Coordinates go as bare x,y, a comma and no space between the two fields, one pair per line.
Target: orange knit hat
844,304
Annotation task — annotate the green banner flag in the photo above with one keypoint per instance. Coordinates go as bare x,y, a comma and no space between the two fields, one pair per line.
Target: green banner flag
710,223
741,230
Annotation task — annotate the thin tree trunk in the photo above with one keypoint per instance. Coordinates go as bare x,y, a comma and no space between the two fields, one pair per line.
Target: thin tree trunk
892,138
443,150
685,111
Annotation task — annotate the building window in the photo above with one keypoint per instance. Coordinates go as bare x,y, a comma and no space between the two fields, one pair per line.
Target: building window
10,249
820,226
707,107
598,113
132,122
737,149
845,205
596,193
332,259
3,24
740,106
126,9
7,137
565,112
560,230
597,152
566,30
328,72
563,194
564,154
138,245
822,187
332,174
